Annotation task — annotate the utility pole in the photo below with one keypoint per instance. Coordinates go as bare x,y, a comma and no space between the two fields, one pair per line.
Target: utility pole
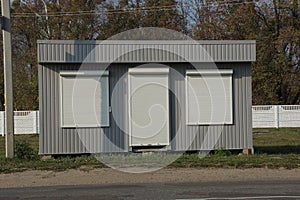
8,85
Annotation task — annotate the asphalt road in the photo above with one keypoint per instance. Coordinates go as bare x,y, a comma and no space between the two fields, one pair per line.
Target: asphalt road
241,189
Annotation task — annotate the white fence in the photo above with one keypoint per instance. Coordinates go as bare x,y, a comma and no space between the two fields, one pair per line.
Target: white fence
25,122
272,116
267,116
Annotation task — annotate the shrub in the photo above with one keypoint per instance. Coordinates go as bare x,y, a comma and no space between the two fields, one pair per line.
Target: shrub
24,151
222,152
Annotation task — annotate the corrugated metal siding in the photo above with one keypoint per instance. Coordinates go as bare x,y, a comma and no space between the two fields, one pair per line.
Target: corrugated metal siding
55,140
64,51
235,136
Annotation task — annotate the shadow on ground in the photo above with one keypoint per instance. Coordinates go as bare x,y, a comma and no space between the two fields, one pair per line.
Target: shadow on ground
288,149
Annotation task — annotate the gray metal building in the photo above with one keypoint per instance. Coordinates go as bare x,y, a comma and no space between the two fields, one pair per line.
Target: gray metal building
190,72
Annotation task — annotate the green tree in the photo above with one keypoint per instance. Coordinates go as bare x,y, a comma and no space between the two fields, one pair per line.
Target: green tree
44,19
275,26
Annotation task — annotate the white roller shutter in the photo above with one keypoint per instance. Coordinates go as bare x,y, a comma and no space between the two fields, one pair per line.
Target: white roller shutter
84,99
209,97
149,106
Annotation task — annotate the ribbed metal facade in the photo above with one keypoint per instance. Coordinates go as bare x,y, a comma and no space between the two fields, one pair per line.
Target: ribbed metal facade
145,51
57,140
235,136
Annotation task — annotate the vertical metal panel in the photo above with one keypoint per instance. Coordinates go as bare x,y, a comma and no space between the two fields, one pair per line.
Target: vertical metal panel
53,99
249,141
55,140
235,136
41,110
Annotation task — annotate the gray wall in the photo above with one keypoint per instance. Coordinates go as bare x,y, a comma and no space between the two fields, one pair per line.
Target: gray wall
136,51
235,136
55,140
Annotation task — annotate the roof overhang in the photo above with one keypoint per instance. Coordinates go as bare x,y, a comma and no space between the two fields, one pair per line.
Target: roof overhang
145,51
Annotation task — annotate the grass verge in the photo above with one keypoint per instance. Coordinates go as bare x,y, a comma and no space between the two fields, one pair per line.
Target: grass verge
275,148
277,141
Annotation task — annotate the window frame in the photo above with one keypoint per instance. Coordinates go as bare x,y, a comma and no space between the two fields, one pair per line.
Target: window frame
86,73
162,71
200,72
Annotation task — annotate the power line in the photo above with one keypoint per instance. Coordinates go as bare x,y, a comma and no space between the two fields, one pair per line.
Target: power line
91,11
119,11
99,11
221,2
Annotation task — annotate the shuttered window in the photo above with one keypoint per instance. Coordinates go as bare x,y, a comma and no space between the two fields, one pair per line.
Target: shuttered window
84,99
149,106
209,97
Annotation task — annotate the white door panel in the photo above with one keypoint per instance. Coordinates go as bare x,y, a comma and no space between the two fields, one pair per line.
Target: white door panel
149,108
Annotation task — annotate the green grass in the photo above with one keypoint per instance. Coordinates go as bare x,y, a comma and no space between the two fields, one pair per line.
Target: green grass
33,140
288,161
276,137
277,141
58,164
274,148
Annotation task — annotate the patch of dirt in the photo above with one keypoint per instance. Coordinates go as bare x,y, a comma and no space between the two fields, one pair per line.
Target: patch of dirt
261,131
110,176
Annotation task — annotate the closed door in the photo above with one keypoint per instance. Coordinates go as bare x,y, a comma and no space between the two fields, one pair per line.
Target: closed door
148,106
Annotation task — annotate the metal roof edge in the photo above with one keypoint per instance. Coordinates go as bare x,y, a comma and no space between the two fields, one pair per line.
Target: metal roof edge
145,62
148,42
